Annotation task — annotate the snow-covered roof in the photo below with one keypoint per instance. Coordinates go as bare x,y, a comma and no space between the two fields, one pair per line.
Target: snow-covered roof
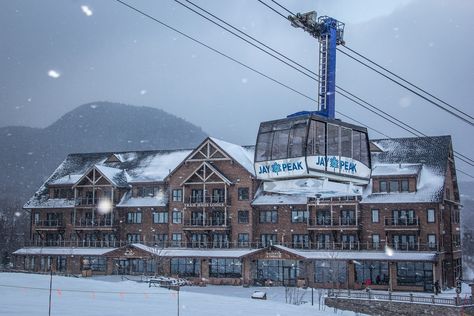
44,202
396,169
116,176
207,253
69,179
275,199
243,155
128,201
362,255
63,251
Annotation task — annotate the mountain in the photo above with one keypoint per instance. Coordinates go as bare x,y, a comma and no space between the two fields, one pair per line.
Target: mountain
30,155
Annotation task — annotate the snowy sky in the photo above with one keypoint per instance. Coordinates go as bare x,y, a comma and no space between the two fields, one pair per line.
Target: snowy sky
58,54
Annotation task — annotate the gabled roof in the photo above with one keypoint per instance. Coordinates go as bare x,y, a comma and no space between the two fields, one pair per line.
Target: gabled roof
242,155
214,171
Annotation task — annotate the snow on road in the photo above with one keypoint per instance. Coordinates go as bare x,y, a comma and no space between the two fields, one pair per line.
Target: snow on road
28,294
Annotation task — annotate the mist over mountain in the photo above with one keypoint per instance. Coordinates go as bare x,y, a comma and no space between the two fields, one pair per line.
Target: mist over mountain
30,155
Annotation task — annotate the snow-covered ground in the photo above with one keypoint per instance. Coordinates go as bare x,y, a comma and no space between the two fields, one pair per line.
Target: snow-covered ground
28,294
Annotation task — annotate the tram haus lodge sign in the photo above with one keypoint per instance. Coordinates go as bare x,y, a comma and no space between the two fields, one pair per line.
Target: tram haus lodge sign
204,204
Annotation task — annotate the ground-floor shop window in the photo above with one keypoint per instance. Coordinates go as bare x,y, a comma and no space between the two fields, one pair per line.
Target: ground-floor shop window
186,267
371,272
94,263
61,263
225,268
285,271
45,263
330,271
415,273
30,263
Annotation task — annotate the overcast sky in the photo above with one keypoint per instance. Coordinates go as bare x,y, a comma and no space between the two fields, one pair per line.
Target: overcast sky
58,54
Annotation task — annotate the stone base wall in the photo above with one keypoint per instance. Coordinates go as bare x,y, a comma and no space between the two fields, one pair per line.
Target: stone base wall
391,308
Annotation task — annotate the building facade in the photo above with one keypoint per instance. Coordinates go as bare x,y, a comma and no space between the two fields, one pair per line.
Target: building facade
203,215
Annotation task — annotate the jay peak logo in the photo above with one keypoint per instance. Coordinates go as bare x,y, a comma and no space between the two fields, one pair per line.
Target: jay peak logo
281,167
335,163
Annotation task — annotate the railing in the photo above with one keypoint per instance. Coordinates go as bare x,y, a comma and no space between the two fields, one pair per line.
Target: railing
410,298
86,201
97,222
332,222
216,199
207,223
402,221
317,246
49,223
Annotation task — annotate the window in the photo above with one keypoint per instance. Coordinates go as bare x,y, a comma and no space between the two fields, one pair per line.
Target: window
243,194
299,216
196,196
317,139
394,186
348,241
432,241
269,216
323,241
177,195
36,217
404,185
348,217
177,217
243,240
63,193
404,217
404,242
225,268
217,196
146,191
94,263
414,273
176,240
134,217
300,241
376,241
160,240
243,217
133,238
323,217
383,186
160,217
328,271
186,267
456,240
61,263
372,272
431,215
268,239
375,216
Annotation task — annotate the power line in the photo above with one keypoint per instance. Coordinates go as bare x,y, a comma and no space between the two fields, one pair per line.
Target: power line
400,124
407,127
409,89
228,57
408,82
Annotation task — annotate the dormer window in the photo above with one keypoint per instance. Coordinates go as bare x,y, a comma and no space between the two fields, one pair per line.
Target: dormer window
393,185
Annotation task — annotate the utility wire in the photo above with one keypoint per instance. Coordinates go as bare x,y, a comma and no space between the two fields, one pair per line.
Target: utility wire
407,127
390,118
275,2
408,82
227,56
409,89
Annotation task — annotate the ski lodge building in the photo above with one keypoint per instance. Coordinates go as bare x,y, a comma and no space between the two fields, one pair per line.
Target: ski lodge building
202,214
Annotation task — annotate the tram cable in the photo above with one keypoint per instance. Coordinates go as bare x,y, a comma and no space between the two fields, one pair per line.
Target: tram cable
464,119
251,68
406,127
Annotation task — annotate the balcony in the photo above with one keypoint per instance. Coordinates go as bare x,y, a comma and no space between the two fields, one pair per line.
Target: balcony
86,201
95,224
49,224
207,201
334,223
212,223
407,223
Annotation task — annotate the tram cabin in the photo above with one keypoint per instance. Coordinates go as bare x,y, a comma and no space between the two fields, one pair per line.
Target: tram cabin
312,146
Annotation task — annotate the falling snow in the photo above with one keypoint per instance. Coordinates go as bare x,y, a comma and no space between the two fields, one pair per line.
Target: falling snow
86,10
54,74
